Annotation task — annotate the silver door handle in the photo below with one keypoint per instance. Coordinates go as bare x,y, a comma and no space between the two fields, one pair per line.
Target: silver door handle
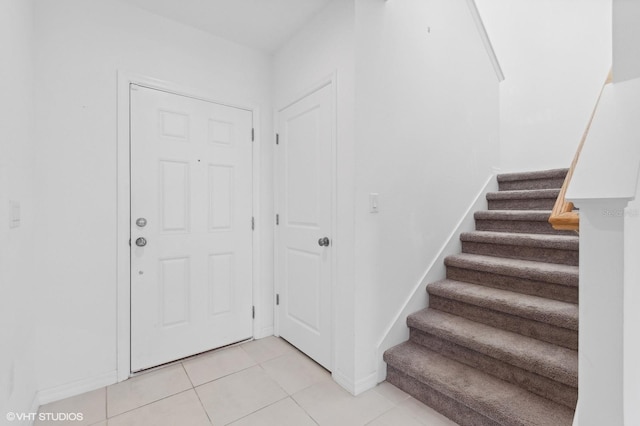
324,242
141,242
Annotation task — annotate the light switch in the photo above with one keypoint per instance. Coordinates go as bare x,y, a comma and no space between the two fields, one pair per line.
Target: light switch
373,203
14,214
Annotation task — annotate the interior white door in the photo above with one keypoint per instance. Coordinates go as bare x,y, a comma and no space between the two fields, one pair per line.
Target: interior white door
303,234
191,226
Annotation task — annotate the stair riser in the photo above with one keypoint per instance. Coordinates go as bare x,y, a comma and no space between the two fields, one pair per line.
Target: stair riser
526,327
519,227
443,404
519,285
540,385
514,185
532,204
501,353
558,256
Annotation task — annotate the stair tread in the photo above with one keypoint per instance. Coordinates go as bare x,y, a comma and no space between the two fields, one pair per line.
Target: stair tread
546,359
519,215
523,194
529,269
533,175
548,311
563,242
496,399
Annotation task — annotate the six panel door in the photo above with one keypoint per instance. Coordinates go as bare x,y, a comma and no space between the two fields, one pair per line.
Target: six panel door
191,226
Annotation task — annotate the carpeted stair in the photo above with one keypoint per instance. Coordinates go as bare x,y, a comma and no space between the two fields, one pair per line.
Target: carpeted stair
498,343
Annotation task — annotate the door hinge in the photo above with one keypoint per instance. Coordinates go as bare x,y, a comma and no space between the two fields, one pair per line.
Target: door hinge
253,223
253,312
253,135
277,219
277,139
277,299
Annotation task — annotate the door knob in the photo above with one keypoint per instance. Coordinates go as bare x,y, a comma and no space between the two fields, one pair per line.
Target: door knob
141,222
141,242
323,242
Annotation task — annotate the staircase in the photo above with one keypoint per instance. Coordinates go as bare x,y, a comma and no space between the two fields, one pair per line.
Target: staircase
498,343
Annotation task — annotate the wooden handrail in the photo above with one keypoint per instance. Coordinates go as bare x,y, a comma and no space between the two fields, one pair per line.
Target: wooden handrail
563,217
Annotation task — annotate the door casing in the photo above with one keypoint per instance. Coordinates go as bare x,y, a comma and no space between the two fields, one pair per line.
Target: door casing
330,80
123,297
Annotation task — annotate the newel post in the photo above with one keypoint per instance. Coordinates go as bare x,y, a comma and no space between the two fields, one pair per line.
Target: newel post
601,306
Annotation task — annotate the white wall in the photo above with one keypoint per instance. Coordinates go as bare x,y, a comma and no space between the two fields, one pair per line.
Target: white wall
17,327
80,47
426,141
323,47
555,55
426,126
626,33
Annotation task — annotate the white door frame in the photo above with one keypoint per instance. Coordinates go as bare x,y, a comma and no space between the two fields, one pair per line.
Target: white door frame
330,80
123,276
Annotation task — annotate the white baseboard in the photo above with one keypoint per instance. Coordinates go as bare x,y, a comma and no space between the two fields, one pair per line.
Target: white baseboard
366,383
343,381
264,332
355,387
397,331
45,396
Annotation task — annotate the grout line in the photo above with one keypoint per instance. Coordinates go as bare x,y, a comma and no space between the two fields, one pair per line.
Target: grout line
273,380
226,375
394,406
202,405
259,409
304,410
187,374
196,392
152,402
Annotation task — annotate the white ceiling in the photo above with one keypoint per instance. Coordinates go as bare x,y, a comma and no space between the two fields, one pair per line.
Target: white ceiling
261,24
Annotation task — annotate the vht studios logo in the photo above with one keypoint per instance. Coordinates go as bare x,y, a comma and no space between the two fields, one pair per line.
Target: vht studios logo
45,417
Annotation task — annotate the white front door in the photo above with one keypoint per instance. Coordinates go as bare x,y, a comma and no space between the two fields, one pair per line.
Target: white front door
303,234
191,226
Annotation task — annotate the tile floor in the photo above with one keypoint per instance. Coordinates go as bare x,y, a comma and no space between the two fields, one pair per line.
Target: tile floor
260,383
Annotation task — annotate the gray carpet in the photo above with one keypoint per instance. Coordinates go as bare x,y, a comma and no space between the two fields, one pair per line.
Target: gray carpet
498,343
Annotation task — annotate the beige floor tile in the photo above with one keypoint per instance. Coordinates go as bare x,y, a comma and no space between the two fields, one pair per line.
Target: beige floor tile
181,409
146,388
282,413
396,417
330,405
295,371
424,413
214,365
391,392
248,385
233,397
267,348
91,405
